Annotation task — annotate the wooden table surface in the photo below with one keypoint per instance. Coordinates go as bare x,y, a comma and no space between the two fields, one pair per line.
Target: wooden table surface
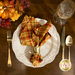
44,9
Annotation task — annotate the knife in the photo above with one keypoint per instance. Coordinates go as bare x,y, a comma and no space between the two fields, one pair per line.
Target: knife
63,41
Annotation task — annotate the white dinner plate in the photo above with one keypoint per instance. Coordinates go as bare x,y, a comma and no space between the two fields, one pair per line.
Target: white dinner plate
48,51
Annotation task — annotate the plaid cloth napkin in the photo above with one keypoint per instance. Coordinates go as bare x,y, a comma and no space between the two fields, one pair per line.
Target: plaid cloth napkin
36,59
31,30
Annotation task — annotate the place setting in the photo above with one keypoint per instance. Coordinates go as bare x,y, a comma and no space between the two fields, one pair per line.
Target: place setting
36,41
48,51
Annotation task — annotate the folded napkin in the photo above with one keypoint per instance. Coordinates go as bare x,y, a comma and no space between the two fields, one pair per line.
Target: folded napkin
33,34
30,29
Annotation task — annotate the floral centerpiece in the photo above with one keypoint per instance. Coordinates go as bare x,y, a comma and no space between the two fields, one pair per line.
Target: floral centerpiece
11,11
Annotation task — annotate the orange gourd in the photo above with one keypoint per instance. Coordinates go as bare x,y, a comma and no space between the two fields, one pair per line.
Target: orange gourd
6,10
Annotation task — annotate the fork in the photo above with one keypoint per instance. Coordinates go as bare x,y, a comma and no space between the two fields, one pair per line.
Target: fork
9,63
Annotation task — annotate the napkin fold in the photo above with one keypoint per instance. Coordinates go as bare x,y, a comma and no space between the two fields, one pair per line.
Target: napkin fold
33,34
36,59
31,29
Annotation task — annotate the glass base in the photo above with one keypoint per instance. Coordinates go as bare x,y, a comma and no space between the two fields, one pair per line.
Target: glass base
59,20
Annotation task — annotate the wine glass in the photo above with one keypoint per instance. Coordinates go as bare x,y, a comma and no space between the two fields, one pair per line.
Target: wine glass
64,11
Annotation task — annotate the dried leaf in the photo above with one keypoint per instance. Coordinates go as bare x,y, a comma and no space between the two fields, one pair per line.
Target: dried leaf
19,8
15,16
21,5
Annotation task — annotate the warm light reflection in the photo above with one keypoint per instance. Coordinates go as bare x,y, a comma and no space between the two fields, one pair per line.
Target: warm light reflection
0,7
2,11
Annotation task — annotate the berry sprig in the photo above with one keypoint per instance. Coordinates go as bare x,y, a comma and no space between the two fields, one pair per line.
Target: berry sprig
5,22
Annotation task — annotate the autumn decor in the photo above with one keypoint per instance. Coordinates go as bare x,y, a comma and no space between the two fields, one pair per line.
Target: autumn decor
5,22
11,9
6,9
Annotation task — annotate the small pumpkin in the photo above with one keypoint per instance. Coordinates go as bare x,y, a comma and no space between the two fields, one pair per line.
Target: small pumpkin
6,10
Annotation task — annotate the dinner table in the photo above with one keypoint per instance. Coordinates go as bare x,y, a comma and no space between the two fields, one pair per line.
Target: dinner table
44,9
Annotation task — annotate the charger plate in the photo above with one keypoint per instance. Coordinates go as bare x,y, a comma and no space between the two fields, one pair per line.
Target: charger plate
48,51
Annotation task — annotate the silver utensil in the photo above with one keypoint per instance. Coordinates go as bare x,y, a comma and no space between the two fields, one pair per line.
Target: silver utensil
63,41
65,64
69,42
9,63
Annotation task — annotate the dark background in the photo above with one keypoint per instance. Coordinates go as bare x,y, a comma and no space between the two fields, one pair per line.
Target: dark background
44,9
